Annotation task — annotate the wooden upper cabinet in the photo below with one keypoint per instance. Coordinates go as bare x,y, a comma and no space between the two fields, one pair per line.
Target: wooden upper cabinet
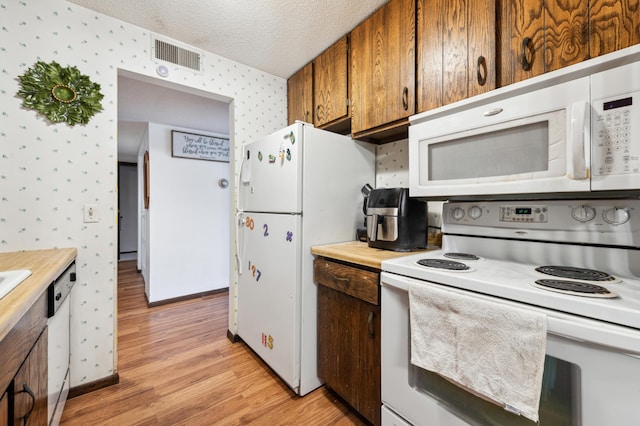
382,61
330,96
521,40
614,25
300,95
538,37
456,50
566,33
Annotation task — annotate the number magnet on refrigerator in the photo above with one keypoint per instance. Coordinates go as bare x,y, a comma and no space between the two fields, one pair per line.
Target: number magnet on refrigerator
289,236
259,155
272,159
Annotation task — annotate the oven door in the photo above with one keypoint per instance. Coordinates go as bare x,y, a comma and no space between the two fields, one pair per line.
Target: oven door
536,142
591,377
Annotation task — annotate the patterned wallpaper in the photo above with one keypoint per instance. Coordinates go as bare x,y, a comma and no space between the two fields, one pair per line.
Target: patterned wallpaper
392,164
48,171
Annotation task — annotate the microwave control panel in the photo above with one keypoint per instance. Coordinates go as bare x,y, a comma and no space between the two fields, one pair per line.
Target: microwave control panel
614,150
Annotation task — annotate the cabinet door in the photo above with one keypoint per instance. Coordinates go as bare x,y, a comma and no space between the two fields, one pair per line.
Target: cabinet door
300,95
369,403
382,56
455,50
4,410
330,99
481,37
541,36
614,25
30,386
521,40
349,350
566,33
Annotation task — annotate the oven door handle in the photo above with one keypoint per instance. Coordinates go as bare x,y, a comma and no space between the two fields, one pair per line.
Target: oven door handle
576,163
610,336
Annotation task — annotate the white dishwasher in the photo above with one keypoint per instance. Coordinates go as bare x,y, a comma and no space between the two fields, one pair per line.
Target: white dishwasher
59,297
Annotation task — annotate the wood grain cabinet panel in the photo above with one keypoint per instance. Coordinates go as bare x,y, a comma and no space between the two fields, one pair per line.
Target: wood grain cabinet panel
349,338
456,50
566,33
521,40
4,410
300,95
330,84
614,25
541,36
30,387
382,69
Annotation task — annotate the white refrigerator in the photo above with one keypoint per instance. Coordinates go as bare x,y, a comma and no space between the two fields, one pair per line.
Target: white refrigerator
299,187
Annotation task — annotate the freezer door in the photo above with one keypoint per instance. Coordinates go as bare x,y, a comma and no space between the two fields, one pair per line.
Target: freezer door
271,173
269,291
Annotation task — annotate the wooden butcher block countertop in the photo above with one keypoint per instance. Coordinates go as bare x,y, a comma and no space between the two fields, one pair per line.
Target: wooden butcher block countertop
359,253
45,266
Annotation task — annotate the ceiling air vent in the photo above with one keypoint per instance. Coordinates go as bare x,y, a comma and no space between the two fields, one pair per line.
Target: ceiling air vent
176,55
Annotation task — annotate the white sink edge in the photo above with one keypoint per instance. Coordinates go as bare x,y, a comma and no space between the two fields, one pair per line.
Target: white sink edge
11,279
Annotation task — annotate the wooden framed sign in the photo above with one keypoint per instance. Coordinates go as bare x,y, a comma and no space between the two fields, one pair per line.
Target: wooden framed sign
200,147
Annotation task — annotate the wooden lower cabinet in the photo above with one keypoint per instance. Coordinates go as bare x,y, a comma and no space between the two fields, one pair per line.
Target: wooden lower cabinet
30,387
349,334
4,410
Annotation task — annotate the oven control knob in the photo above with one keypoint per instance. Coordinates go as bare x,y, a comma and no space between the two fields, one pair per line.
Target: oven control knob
583,213
616,216
457,213
475,212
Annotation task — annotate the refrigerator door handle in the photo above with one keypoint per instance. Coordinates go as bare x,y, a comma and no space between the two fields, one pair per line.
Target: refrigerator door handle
239,225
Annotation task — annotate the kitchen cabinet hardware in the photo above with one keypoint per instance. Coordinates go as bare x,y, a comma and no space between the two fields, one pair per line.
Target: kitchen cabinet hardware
26,389
492,112
405,98
341,279
372,332
526,63
481,70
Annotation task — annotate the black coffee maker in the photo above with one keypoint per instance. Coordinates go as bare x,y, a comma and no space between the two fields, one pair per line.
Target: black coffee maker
395,221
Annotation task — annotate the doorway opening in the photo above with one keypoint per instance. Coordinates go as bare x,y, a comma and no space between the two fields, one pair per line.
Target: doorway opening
168,250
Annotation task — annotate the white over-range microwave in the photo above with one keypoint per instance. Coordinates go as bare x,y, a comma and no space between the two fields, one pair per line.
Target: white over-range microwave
572,131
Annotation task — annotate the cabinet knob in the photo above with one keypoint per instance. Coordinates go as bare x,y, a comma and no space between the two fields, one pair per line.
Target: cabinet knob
481,69
526,63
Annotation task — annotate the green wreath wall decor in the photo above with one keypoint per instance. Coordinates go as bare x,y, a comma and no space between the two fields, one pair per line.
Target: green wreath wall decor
60,94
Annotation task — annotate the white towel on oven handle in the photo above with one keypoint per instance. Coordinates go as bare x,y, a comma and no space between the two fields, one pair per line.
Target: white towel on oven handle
494,350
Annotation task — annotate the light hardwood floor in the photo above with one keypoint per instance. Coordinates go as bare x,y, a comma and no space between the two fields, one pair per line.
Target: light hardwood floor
177,366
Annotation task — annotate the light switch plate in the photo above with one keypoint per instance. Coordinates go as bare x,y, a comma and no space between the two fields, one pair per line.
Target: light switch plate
91,214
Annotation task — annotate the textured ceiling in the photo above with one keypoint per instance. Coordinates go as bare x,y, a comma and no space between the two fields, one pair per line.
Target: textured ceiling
276,36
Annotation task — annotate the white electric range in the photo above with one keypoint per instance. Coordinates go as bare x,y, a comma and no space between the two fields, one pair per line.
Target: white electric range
576,261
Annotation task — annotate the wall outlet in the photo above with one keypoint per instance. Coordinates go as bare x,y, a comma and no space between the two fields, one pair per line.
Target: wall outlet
91,213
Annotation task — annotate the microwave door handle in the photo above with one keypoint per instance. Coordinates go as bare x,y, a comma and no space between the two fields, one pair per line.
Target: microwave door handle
576,164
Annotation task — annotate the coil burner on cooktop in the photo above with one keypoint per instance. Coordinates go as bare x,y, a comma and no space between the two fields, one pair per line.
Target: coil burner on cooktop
581,274
449,265
575,288
461,256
